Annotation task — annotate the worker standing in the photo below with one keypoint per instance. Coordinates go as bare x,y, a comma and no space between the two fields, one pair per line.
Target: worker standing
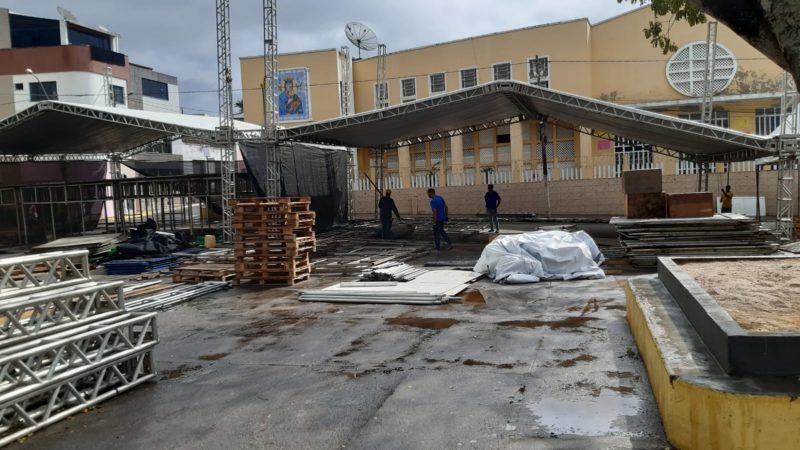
387,207
439,209
492,200
727,199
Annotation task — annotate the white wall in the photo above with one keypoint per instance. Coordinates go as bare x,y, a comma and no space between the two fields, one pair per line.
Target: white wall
158,105
75,87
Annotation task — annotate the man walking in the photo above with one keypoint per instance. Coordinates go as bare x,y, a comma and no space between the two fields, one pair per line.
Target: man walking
439,208
727,200
387,207
492,200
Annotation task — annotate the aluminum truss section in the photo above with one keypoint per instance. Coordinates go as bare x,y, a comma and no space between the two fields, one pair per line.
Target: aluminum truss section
788,151
54,310
790,100
31,366
272,183
224,84
108,87
381,87
707,110
28,274
23,415
346,83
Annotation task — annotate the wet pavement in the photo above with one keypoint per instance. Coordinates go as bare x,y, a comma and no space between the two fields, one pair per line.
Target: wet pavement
550,365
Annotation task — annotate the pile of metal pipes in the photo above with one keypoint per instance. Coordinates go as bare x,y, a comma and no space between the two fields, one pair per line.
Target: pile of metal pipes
66,342
392,271
164,300
357,295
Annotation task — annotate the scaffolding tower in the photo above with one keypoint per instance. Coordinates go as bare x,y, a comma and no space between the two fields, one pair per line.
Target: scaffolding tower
346,84
707,115
108,87
224,83
381,88
272,182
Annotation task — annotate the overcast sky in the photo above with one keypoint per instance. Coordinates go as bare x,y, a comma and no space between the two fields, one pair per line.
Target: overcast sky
178,37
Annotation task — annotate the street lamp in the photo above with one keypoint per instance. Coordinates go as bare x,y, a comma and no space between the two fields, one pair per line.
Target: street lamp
44,91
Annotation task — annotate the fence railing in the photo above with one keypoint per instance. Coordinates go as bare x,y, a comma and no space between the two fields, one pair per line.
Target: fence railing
425,180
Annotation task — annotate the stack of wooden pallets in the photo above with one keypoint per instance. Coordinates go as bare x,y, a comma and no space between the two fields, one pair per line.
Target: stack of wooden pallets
274,238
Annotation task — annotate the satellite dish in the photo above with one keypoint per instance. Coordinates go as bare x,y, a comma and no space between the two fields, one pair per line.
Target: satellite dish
104,28
64,13
361,36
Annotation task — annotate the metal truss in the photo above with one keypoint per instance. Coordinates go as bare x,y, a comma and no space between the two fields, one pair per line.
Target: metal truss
29,366
788,151
790,100
346,84
381,87
25,414
707,109
29,274
228,150
272,182
108,87
54,310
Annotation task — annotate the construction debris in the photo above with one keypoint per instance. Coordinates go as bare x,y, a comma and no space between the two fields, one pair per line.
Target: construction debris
98,245
274,240
164,300
722,234
196,273
66,342
392,271
137,266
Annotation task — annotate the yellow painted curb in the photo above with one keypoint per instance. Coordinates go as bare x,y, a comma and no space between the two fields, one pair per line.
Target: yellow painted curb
698,416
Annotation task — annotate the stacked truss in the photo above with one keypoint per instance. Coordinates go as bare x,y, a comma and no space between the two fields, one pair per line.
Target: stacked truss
66,342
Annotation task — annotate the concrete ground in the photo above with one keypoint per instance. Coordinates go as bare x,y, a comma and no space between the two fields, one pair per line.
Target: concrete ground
545,366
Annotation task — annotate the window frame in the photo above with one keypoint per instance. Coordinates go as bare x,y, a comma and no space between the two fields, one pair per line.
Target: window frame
165,97
510,71
545,79
114,89
408,98
41,86
444,83
461,77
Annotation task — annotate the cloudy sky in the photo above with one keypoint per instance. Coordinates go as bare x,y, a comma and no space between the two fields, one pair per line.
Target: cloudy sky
178,37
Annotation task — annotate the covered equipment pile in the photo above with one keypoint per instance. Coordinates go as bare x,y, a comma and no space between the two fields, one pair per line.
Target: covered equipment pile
541,255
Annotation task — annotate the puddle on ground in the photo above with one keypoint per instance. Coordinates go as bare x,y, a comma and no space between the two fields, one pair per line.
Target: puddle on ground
419,322
587,416
569,322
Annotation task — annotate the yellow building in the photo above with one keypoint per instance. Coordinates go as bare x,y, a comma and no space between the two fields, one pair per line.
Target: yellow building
610,60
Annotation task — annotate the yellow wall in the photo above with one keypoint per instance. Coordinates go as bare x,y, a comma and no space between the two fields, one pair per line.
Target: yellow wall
323,76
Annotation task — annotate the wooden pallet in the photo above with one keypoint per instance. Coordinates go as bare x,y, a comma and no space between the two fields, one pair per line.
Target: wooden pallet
196,273
273,281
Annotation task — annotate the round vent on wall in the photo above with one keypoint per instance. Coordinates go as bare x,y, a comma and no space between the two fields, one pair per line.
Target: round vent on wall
686,70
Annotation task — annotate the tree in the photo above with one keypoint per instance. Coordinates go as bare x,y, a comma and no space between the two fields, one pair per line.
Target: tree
770,26
239,104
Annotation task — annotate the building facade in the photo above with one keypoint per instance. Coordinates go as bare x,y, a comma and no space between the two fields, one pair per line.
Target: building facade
610,60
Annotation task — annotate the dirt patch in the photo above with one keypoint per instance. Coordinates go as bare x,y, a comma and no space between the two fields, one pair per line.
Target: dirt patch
473,298
624,375
620,389
573,361
616,307
472,362
760,295
568,350
212,357
273,326
419,322
180,371
569,322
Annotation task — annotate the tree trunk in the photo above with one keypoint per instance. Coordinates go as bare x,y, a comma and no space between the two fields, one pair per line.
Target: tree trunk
771,26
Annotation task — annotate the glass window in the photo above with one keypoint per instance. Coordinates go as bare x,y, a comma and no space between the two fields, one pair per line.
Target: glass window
409,89
392,162
119,95
469,157
526,152
487,136
82,36
467,141
155,89
438,83
719,118
501,71
487,156
563,132
419,159
46,90
539,71
33,32
504,154
469,78
767,120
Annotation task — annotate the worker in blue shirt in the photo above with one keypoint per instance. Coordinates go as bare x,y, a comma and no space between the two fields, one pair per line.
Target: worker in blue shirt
387,207
439,208
492,200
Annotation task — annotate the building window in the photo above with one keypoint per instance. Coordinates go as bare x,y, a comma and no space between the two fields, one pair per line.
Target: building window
719,118
560,149
438,83
155,89
767,120
630,154
46,90
686,70
469,78
119,95
19,86
539,71
408,89
33,32
501,71
82,36
381,95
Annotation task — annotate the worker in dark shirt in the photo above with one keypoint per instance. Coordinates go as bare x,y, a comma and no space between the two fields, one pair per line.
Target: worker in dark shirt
492,200
387,207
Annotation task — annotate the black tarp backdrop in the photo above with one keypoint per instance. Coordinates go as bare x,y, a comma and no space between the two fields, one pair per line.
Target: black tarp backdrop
306,170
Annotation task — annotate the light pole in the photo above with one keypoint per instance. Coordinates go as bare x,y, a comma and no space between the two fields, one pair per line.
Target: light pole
44,91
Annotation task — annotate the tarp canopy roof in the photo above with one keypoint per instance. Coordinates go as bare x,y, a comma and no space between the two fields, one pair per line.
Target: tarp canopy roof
61,129
502,102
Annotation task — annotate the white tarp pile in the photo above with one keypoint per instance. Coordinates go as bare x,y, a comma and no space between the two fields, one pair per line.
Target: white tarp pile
541,255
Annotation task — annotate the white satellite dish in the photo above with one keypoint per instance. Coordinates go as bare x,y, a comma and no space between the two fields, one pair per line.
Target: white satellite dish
361,36
66,14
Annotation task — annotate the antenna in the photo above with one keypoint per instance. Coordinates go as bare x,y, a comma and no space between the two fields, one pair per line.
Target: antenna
361,36
66,14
